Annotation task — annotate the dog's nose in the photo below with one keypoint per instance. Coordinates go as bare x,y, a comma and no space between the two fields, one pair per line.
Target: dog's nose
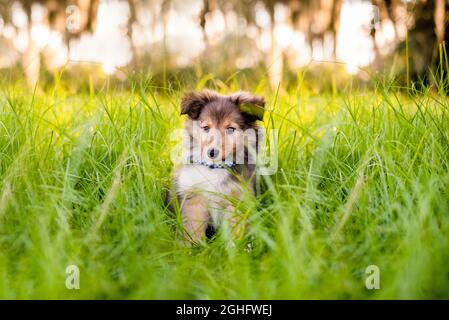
213,153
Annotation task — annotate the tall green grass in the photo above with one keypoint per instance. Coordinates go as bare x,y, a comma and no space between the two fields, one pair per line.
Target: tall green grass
363,180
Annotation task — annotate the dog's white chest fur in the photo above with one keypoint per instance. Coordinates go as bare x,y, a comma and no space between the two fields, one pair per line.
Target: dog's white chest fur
201,178
213,184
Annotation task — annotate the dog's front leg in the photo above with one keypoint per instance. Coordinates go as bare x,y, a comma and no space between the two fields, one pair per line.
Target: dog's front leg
237,223
195,218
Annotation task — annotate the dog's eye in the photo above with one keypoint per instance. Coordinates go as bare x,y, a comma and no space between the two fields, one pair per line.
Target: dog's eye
230,130
206,128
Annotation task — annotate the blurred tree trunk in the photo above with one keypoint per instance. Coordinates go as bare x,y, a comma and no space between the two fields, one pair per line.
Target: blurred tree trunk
31,58
88,17
384,13
384,18
88,10
393,6
133,6
319,20
275,57
204,11
165,14
422,40
440,12
56,18
335,23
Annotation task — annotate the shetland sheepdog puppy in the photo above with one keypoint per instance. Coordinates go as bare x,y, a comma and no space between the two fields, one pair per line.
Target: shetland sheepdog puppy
221,140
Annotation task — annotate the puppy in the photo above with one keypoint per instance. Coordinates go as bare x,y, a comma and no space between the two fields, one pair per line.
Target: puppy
220,148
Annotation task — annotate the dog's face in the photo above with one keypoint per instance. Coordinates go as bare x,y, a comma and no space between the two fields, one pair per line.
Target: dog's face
219,124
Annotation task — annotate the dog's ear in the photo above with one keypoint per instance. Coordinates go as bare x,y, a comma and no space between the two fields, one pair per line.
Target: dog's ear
252,107
193,102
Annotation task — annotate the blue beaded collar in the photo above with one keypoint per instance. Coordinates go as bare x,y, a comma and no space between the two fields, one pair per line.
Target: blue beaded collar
210,165
228,165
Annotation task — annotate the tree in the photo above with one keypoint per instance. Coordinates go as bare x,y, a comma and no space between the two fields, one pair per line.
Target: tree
56,20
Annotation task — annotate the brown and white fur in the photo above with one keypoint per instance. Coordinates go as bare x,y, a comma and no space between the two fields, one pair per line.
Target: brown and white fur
215,129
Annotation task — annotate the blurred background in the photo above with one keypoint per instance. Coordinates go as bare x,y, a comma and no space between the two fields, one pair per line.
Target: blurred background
176,39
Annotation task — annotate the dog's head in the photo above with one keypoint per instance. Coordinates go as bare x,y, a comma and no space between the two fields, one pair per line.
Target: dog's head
220,124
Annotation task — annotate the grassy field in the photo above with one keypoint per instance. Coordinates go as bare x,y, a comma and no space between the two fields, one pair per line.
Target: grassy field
363,180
